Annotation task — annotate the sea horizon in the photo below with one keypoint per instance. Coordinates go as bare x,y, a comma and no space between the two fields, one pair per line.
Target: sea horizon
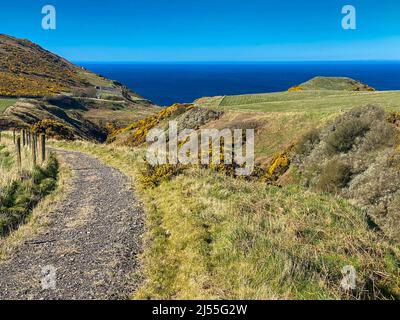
166,83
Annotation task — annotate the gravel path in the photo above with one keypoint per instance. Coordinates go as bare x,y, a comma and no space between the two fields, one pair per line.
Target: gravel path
92,242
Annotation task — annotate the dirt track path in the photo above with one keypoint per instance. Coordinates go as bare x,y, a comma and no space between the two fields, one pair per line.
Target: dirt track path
92,242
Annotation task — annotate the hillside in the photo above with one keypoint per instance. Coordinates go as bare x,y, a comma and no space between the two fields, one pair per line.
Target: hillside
28,70
333,83
324,194
281,118
54,87
334,202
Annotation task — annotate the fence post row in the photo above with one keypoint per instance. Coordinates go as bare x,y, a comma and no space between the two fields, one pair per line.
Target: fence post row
35,142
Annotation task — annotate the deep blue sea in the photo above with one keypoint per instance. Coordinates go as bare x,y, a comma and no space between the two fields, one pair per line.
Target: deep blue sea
167,83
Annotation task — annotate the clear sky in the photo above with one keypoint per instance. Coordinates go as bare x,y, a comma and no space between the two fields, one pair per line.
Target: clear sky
208,30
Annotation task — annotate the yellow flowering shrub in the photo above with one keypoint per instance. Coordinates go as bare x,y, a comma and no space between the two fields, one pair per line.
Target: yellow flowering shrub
54,129
295,88
139,129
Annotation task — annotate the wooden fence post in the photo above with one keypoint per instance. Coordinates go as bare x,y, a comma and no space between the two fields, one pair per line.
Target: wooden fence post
43,147
23,133
33,147
19,159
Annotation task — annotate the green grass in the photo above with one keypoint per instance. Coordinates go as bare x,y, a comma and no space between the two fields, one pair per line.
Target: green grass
327,101
334,83
5,103
214,237
21,192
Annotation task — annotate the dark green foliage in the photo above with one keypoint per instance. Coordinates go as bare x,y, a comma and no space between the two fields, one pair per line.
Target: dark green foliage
345,135
336,175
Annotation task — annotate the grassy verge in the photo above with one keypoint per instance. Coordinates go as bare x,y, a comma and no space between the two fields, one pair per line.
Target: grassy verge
40,217
212,236
20,192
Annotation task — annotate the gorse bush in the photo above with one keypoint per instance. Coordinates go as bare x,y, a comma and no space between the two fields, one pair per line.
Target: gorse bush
136,133
54,129
153,175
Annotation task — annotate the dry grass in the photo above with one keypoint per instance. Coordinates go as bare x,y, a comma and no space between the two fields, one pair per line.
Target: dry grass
39,219
212,236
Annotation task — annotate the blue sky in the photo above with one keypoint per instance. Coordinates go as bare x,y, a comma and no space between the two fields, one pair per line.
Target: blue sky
209,30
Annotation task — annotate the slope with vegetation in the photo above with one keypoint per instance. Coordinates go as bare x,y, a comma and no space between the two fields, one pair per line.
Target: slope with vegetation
325,193
49,87
332,83
334,203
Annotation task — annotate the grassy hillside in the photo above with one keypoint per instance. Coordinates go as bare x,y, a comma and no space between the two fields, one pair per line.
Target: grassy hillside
5,103
59,90
326,101
281,118
28,70
333,83
210,236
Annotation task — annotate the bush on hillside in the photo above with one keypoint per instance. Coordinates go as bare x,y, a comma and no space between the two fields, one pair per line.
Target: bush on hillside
346,135
336,175
136,133
358,158
54,129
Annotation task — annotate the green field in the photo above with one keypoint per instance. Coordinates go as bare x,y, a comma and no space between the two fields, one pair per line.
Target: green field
327,101
5,103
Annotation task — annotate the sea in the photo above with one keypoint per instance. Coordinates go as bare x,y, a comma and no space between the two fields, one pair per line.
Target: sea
168,83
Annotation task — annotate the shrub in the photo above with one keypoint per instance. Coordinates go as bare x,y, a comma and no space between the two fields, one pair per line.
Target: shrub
380,135
394,118
336,175
54,129
138,130
345,136
308,142
368,168
295,88
153,175
278,166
